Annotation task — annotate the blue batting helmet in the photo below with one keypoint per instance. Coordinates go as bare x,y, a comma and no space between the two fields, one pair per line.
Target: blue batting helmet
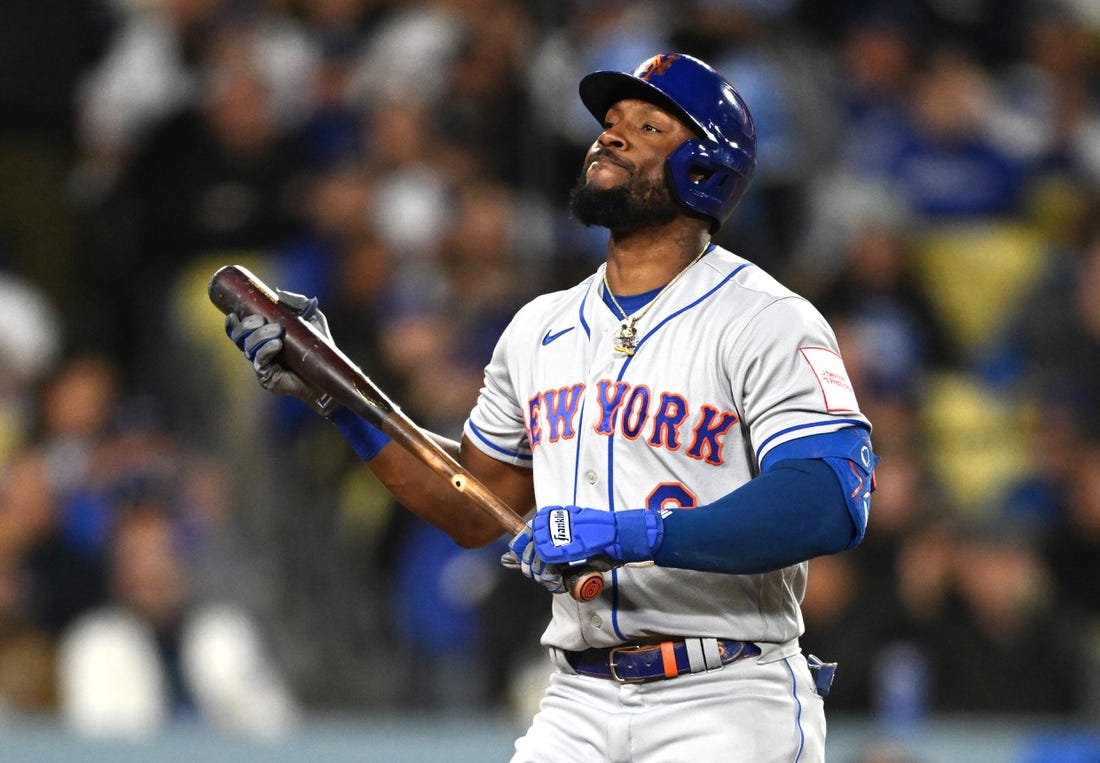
709,173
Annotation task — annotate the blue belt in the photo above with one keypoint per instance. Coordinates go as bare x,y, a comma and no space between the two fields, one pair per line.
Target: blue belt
640,663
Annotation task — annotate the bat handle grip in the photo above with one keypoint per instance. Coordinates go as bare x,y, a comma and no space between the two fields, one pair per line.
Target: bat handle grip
584,585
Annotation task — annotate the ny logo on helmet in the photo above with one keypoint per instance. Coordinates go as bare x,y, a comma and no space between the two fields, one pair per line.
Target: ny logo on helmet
657,65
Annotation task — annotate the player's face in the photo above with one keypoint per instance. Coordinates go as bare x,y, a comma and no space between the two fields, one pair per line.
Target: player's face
637,137
623,183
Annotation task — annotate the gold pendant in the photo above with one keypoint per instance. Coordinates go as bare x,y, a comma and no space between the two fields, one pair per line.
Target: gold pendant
626,338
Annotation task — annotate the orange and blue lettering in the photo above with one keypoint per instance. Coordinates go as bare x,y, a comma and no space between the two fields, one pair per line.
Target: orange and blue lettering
610,396
561,410
707,442
534,430
636,412
671,413
657,65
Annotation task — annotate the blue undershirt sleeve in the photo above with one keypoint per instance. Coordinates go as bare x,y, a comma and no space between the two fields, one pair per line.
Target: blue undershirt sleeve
795,511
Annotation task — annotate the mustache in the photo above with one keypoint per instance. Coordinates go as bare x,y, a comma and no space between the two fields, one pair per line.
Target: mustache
608,155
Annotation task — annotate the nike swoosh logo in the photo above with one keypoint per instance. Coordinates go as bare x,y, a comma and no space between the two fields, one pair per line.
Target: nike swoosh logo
551,337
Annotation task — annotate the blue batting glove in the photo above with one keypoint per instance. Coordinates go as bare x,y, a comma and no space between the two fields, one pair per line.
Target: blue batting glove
571,534
524,556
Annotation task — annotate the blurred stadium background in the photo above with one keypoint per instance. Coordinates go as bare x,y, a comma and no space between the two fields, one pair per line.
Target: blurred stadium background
191,569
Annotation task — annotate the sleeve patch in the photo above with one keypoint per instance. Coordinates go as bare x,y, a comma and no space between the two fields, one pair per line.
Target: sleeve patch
832,379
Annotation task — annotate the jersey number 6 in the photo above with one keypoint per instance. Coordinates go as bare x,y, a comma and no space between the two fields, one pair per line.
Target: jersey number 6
671,495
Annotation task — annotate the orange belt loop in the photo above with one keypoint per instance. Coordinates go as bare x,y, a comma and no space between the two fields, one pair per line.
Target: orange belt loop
668,657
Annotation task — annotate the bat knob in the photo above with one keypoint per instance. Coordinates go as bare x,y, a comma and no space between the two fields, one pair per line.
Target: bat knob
586,587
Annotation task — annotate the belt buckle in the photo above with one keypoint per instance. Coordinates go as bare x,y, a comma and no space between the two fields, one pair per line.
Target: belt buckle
611,662
727,657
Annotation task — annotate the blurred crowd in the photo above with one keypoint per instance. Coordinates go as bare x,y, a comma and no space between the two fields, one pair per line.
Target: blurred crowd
175,543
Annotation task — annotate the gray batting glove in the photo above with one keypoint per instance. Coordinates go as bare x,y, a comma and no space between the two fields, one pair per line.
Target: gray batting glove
261,342
523,556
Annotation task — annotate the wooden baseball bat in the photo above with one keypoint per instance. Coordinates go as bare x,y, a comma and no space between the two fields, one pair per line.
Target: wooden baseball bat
311,355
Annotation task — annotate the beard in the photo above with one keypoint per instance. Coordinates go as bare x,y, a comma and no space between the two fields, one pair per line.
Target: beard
634,205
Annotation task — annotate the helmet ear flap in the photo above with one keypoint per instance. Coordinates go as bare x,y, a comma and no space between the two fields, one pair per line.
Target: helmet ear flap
707,177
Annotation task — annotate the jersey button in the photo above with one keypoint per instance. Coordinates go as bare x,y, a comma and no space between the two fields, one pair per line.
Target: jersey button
596,621
590,476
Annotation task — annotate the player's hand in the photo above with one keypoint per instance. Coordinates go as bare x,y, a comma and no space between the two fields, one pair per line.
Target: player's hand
572,535
523,555
261,342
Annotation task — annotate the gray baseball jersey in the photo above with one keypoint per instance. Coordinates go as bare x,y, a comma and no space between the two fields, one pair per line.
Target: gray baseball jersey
729,364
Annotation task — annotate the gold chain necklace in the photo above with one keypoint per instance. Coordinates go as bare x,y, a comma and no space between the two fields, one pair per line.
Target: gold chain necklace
627,335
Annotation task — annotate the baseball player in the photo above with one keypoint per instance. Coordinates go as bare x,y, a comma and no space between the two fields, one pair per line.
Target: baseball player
678,419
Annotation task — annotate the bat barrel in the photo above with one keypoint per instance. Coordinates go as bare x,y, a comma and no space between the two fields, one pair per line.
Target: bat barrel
233,289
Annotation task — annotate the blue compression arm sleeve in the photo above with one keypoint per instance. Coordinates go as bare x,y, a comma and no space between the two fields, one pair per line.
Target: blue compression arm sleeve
795,511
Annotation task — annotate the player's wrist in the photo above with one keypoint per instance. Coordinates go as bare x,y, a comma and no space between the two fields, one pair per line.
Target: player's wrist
365,438
638,534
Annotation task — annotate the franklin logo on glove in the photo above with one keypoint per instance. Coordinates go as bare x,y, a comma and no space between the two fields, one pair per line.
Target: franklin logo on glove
559,527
